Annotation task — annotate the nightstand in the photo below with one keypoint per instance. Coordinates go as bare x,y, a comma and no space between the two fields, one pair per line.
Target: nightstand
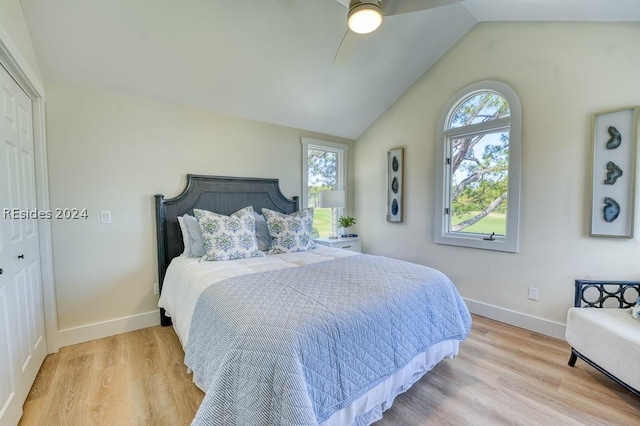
353,244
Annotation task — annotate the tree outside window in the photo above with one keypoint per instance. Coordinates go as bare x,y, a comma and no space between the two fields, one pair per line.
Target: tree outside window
323,165
480,168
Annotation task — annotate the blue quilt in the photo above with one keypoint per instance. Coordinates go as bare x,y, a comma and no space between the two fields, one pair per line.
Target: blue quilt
293,346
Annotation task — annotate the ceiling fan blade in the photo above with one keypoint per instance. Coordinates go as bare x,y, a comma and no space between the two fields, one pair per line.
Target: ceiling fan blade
348,44
397,7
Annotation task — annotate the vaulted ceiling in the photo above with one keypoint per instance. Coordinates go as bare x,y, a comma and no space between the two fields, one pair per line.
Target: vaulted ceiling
267,60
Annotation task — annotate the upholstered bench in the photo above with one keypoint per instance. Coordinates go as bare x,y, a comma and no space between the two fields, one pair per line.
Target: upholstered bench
602,332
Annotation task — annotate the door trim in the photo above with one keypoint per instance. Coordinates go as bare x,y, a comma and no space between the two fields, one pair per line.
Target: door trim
13,61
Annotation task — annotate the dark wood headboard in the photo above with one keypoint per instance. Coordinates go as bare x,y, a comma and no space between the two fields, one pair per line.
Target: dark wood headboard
220,194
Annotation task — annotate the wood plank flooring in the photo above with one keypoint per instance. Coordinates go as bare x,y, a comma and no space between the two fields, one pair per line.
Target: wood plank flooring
504,375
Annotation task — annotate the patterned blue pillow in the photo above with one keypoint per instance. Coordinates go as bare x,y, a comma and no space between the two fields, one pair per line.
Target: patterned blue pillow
290,233
228,237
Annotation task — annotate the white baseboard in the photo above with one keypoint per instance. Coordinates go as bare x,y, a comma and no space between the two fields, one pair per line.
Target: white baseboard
98,330
528,322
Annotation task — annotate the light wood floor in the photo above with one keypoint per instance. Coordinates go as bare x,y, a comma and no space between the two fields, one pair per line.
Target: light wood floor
503,376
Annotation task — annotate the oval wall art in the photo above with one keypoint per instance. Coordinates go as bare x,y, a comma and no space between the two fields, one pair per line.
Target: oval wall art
613,145
395,184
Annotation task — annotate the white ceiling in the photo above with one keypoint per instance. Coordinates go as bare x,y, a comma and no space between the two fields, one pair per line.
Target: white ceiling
267,60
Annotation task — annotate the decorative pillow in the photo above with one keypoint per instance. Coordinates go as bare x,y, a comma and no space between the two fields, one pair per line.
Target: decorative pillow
193,246
228,237
635,310
262,232
290,233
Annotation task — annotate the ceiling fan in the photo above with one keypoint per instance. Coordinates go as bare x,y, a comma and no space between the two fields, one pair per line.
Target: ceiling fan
365,16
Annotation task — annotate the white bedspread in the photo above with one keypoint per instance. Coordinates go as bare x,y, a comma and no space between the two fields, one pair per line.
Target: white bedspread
186,279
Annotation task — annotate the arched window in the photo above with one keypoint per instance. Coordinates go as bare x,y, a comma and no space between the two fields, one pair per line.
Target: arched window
478,181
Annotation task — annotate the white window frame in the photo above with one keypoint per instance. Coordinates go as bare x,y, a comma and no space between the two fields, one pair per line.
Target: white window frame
509,242
341,170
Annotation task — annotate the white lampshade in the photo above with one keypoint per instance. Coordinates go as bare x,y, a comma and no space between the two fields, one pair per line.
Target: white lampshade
332,198
364,17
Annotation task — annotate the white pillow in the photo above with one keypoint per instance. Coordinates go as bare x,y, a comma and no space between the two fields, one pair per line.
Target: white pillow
196,248
262,232
191,236
290,233
228,237
185,235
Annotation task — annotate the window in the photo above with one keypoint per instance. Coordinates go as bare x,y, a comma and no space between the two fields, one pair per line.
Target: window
478,180
323,167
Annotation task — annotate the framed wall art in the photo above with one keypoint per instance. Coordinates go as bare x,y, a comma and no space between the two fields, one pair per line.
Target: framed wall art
614,146
395,184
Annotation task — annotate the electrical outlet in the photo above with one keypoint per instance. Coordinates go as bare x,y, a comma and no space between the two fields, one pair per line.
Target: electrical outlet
533,293
156,289
105,216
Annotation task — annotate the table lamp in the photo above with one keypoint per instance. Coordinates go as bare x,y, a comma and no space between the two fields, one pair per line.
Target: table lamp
333,198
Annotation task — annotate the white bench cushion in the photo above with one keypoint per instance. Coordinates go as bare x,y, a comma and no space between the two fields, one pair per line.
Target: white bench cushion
610,338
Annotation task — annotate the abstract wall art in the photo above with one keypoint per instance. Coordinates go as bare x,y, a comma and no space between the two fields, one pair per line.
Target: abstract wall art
614,146
395,184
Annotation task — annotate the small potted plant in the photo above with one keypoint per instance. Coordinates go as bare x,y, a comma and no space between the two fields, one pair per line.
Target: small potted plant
345,223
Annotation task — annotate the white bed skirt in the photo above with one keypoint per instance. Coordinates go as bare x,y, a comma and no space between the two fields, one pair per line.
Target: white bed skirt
370,406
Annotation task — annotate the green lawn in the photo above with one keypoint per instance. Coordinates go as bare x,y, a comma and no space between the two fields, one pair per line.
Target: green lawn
493,222
322,221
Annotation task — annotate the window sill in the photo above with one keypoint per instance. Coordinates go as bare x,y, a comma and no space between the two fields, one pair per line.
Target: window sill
478,242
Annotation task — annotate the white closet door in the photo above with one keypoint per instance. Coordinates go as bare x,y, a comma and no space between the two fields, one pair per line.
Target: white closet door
10,406
22,340
31,311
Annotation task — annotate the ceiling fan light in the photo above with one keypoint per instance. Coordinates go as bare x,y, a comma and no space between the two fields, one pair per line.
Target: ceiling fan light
364,18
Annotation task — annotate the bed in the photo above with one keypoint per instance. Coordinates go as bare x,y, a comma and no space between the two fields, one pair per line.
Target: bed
321,336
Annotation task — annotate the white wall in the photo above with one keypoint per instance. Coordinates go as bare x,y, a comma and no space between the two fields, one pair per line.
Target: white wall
109,151
12,22
563,73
